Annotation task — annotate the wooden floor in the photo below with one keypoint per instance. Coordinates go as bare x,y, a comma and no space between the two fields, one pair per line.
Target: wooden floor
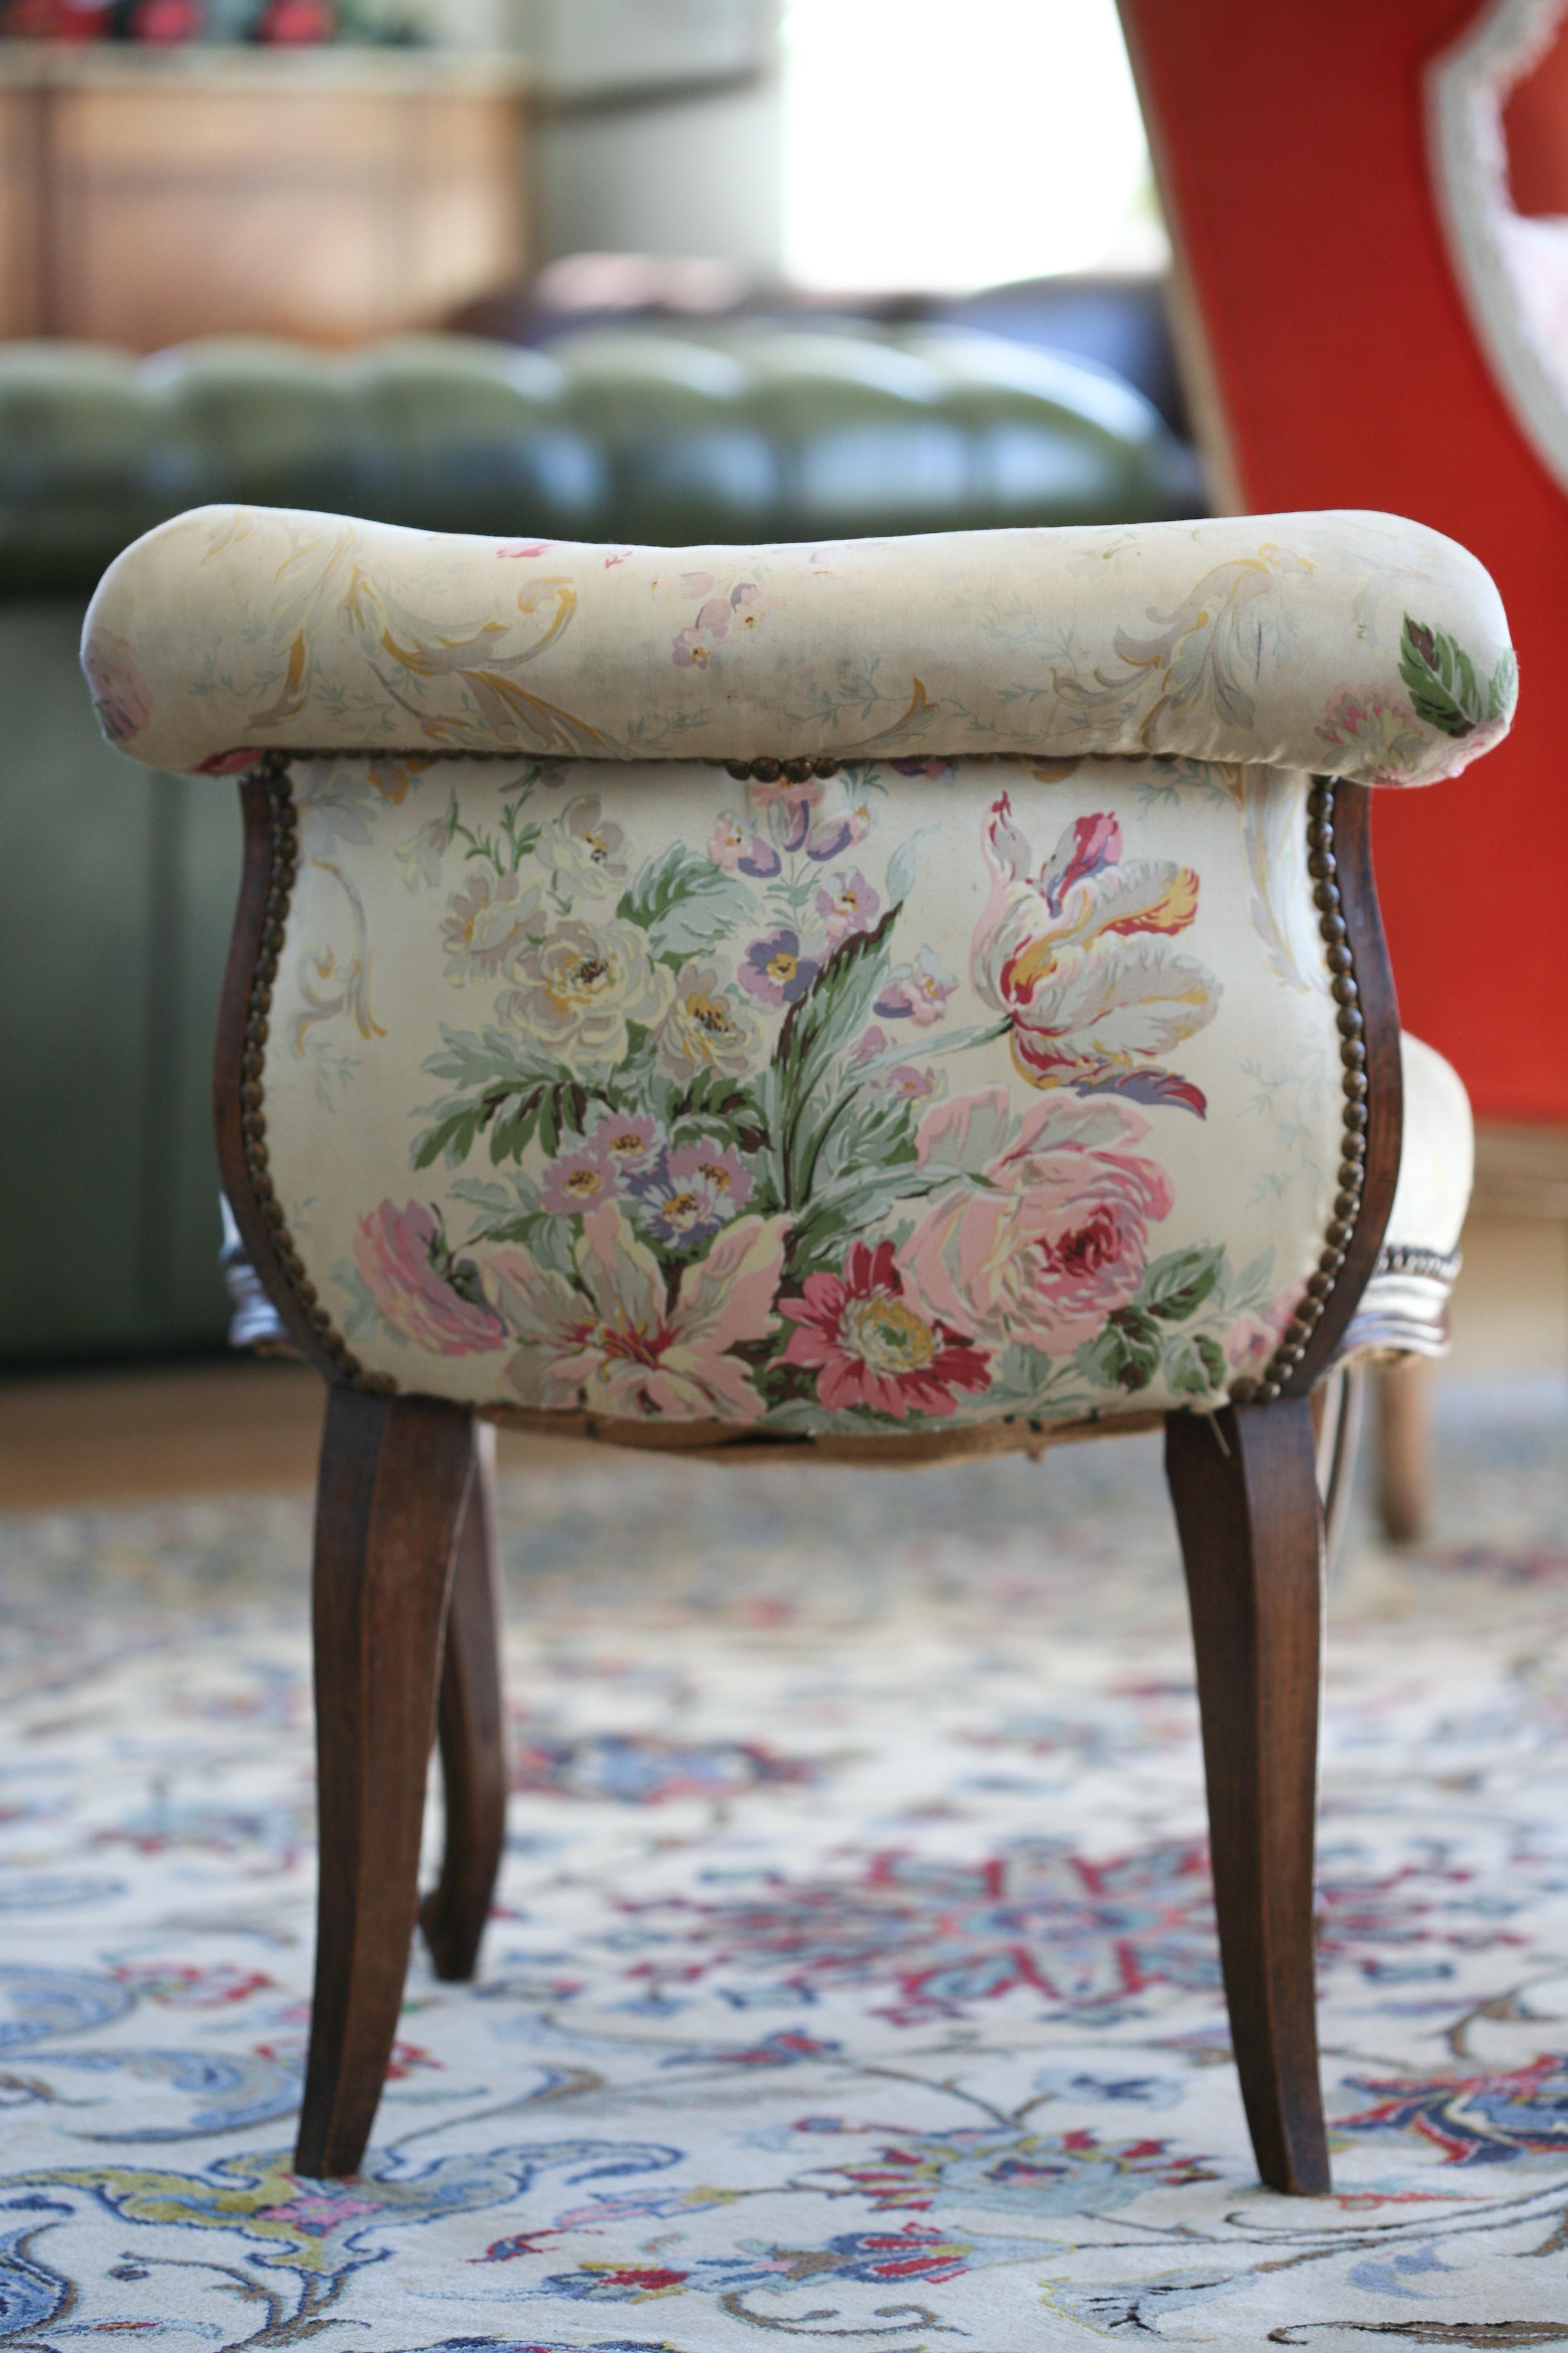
91,1438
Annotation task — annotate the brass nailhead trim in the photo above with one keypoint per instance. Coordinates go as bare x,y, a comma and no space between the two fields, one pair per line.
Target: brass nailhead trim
768,771
1322,865
273,771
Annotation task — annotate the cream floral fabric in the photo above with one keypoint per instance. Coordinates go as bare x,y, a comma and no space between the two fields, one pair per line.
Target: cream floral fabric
931,1092
1357,645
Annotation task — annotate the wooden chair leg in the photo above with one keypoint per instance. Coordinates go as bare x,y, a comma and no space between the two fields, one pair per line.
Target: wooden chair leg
1404,1448
1244,1489
393,1485
473,1736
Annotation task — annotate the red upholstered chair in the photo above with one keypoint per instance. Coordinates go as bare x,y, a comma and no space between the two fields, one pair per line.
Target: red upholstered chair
1368,209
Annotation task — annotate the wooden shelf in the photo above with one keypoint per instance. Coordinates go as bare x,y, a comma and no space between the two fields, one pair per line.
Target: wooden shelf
330,195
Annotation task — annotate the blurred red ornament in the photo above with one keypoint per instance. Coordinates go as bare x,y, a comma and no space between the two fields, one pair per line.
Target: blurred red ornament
295,23
164,20
56,20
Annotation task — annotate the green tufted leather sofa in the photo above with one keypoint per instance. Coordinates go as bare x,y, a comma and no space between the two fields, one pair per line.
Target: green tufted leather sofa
115,903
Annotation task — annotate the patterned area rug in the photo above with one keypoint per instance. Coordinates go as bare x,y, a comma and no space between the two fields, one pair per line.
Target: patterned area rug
853,1978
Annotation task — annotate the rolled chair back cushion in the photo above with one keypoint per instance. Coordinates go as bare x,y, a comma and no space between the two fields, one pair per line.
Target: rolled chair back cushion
1357,646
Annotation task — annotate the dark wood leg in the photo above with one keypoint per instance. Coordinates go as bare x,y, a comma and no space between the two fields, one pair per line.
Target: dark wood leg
1251,1529
393,1485
473,1736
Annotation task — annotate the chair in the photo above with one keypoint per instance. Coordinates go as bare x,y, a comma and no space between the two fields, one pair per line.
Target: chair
882,999
1422,195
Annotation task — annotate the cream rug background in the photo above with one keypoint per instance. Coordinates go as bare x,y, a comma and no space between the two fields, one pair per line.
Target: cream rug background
853,1978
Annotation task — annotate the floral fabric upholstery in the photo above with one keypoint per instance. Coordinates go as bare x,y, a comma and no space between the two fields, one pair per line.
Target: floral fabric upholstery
1354,644
933,1092
925,1094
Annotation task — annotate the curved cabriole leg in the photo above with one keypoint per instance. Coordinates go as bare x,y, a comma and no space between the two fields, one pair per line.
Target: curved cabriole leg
393,1489
1244,1489
472,1731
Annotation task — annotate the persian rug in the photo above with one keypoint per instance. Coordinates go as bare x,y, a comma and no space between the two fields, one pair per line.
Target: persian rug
854,1976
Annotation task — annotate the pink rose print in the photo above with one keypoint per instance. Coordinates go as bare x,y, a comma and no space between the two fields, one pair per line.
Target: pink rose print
917,992
1051,952
426,1294
1378,727
119,689
616,1342
850,906
773,969
1043,1230
870,1346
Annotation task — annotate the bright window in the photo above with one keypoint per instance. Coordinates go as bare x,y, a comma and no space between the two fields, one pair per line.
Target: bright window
954,143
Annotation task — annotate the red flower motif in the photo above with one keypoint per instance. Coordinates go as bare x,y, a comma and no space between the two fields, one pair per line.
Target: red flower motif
868,1345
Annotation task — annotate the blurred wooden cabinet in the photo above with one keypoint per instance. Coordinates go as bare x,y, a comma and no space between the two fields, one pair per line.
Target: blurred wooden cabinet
330,195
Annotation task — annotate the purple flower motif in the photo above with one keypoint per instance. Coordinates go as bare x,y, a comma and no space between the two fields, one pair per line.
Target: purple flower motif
787,807
743,609
793,821
737,851
694,1189
625,1142
576,1183
718,1167
917,992
833,836
874,1041
774,971
851,906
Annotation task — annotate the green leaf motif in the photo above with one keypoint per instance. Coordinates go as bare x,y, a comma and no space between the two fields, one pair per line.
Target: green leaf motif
827,1022
685,903
1126,1355
716,1105
1443,689
1195,1365
1175,1287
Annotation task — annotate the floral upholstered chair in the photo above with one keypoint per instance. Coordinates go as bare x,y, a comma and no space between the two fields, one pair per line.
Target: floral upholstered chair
883,1000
